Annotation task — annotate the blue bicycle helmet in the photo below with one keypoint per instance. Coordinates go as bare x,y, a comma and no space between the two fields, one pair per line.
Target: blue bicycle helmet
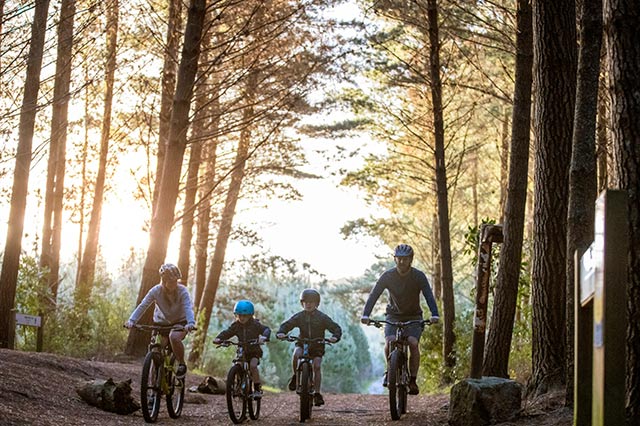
170,271
403,250
243,307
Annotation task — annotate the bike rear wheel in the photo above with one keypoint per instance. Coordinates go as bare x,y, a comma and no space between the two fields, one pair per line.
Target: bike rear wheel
395,385
237,394
306,396
150,387
175,398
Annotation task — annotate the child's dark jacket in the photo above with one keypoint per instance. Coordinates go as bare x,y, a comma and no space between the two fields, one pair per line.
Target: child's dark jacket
251,330
312,325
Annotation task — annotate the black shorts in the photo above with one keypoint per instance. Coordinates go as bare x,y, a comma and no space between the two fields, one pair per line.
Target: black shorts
315,349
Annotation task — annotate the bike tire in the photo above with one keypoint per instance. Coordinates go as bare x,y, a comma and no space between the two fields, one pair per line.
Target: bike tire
394,374
306,397
253,404
236,394
175,398
403,385
150,392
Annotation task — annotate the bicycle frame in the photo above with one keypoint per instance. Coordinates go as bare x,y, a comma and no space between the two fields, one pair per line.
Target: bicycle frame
240,383
304,375
398,365
158,376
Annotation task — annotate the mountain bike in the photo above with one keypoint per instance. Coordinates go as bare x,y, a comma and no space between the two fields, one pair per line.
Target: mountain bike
304,375
239,392
159,376
398,365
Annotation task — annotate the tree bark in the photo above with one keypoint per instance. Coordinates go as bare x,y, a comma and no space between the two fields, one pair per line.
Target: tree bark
448,304
621,21
555,80
496,360
226,221
163,218
87,269
169,69
54,192
13,244
583,174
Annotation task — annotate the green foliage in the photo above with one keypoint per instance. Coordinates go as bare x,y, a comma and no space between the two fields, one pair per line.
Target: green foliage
31,294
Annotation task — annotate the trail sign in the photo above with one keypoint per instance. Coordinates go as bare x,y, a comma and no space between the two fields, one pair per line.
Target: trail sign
31,320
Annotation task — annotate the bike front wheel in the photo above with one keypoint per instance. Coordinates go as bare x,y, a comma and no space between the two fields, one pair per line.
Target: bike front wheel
306,396
237,394
397,390
150,387
175,398
253,404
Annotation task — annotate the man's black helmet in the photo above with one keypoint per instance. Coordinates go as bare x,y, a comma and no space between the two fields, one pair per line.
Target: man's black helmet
403,250
170,270
310,295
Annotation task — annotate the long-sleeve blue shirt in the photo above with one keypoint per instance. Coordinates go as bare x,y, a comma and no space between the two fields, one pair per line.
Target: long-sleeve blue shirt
169,308
404,294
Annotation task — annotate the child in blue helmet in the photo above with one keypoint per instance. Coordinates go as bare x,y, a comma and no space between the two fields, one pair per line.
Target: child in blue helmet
246,327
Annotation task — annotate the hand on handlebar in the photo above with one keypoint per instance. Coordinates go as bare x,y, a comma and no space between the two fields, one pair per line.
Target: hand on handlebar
129,324
365,320
281,336
434,319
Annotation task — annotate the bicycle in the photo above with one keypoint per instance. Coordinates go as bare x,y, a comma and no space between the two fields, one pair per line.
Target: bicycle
398,365
240,398
158,376
304,375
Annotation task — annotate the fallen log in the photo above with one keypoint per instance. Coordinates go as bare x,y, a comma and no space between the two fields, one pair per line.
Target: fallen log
109,395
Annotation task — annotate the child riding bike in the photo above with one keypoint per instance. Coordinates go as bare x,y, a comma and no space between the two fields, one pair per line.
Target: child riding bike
312,324
246,328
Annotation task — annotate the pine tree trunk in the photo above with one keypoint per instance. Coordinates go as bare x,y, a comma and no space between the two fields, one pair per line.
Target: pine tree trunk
496,360
623,57
163,218
443,203
88,266
555,81
13,245
583,174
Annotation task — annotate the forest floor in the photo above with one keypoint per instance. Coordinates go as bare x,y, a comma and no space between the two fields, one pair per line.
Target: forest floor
39,389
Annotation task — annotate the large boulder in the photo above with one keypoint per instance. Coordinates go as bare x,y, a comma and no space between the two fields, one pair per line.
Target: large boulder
479,402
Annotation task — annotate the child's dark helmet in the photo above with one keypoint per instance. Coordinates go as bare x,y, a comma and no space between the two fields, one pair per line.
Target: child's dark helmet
170,270
310,295
403,250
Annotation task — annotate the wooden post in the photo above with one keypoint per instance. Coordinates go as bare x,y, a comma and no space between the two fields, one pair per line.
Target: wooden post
488,235
583,336
610,309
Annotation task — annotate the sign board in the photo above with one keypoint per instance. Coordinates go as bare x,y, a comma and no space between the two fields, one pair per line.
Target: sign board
32,320
588,264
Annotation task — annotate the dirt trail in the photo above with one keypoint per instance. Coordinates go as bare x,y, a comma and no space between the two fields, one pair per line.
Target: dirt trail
39,390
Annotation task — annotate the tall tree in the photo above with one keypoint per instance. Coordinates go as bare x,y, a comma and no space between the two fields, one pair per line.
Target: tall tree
496,360
54,192
163,217
86,271
621,22
226,220
169,69
554,49
441,187
582,174
13,245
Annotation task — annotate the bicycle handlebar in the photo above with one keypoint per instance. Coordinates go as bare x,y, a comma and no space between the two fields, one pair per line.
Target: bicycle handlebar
401,324
307,340
160,327
227,343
